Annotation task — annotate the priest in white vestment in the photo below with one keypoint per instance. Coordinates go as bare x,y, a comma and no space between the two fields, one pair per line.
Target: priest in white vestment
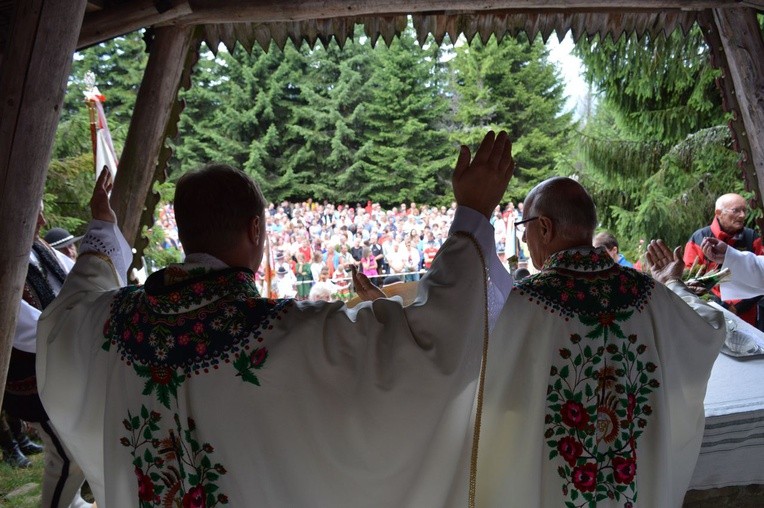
194,391
596,373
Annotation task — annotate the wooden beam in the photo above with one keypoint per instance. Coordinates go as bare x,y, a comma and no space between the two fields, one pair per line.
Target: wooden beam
145,137
744,49
127,17
33,80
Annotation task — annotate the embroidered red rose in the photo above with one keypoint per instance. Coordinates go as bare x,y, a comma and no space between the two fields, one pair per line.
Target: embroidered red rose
139,337
136,318
607,318
198,328
174,297
184,339
570,450
258,356
201,348
161,375
574,415
195,498
198,288
145,486
585,477
624,469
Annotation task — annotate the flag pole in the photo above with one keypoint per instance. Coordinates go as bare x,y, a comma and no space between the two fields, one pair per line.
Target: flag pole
90,101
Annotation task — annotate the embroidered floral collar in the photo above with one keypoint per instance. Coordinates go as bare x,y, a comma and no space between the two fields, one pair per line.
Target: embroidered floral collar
187,286
580,259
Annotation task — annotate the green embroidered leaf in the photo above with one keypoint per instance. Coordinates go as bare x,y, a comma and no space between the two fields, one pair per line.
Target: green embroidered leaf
147,433
142,370
568,504
552,454
210,498
640,366
564,372
623,315
147,456
553,397
588,320
631,356
560,431
588,390
206,462
597,332
552,443
135,422
138,462
587,351
212,476
106,345
241,363
621,413
574,495
155,477
249,377
596,360
567,394
558,385
577,360
193,480
211,488
163,394
617,358
617,331
144,412
148,387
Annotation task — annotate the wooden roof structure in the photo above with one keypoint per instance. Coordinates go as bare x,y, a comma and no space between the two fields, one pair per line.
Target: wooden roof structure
39,37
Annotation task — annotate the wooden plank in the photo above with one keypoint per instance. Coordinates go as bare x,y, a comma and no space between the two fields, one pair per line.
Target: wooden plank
32,84
233,11
744,50
145,137
127,17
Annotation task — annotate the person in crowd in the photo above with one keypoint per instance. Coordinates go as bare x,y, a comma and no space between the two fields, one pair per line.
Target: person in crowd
47,270
369,264
728,226
193,391
590,394
607,240
304,276
63,241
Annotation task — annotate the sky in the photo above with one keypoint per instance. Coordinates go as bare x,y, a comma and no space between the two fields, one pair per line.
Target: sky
571,69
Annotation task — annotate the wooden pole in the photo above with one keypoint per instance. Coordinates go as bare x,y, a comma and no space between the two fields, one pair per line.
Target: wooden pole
744,50
33,78
145,137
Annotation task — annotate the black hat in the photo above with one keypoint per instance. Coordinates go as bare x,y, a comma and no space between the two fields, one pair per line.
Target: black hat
281,270
58,238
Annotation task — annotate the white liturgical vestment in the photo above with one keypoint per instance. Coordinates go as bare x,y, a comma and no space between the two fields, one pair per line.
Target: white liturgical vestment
746,275
595,381
194,391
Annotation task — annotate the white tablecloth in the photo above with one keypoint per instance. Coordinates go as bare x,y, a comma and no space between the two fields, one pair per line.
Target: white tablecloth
732,452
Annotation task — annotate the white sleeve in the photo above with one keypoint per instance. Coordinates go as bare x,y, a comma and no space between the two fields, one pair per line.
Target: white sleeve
25,336
499,280
106,238
747,275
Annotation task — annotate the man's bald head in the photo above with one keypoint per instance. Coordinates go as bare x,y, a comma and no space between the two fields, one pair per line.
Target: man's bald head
567,203
730,213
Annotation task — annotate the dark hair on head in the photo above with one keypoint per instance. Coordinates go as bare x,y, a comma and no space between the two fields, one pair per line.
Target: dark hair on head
214,205
567,203
606,239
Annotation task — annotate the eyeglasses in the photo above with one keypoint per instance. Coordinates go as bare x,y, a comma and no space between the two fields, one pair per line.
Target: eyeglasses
736,211
519,222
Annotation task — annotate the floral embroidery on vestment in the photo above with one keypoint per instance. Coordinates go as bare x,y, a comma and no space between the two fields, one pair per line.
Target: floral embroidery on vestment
598,395
185,322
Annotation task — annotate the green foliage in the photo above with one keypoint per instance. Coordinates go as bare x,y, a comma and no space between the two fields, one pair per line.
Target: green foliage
511,85
67,193
656,154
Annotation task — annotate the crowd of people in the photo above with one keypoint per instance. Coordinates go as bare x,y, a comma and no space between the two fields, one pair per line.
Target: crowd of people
312,246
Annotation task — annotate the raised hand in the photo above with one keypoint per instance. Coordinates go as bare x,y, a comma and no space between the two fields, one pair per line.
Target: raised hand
714,249
100,208
664,264
480,183
365,290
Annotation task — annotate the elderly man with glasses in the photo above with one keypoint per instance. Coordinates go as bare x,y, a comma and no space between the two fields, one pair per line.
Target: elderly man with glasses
727,226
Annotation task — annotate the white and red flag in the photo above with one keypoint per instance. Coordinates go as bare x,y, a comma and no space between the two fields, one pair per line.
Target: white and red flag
103,148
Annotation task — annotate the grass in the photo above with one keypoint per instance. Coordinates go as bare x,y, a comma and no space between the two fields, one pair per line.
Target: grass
13,478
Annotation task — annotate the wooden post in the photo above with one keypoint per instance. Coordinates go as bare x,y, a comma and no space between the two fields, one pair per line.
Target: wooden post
153,107
744,48
33,77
